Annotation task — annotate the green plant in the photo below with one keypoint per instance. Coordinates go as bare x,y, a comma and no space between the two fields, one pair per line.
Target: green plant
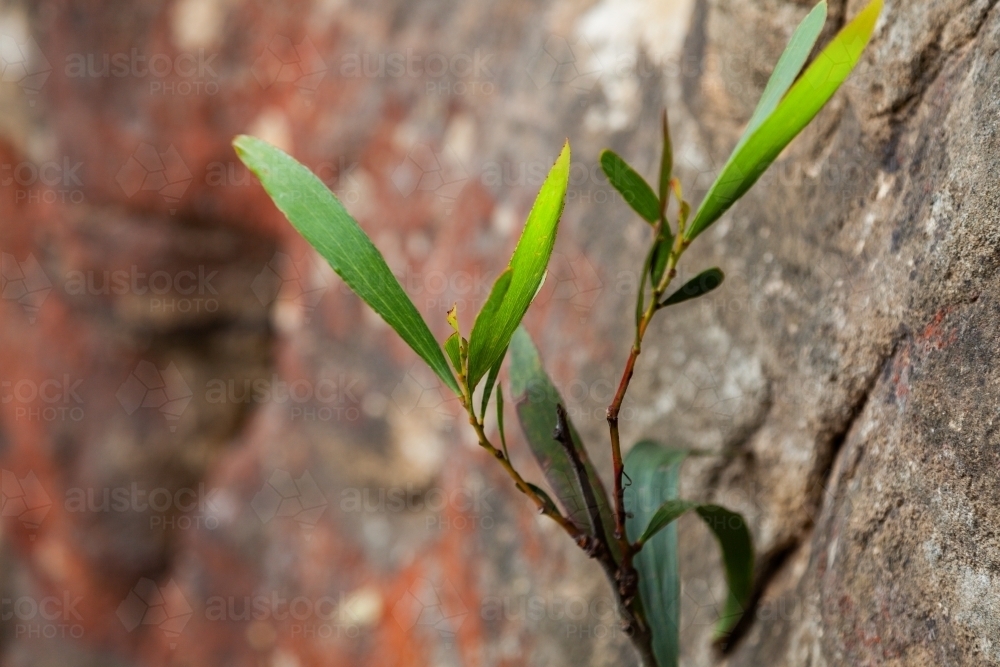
631,532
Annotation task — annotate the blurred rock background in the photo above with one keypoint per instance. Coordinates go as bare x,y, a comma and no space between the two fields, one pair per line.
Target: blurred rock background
212,454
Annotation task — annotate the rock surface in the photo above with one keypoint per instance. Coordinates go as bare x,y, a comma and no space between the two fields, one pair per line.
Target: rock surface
212,454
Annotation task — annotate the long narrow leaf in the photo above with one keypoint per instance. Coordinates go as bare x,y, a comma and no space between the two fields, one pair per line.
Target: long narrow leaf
654,471
320,217
737,558
666,163
494,327
535,399
669,512
492,305
503,434
633,187
804,100
789,65
734,541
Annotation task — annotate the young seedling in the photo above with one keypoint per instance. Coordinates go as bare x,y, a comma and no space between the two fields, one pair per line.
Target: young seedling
631,533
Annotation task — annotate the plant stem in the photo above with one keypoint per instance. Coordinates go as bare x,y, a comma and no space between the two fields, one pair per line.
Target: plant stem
627,577
571,528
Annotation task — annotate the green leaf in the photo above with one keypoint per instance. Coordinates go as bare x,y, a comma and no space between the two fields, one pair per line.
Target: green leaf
633,187
666,163
640,296
701,284
546,499
453,348
535,399
317,214
735,543
489,310
503,436
661,254
789,65
654,471
800,105
667,514
490,381
738,559
495,325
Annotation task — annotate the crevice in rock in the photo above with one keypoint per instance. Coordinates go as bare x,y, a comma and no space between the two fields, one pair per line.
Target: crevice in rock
768,568
773,562
930,63
735,445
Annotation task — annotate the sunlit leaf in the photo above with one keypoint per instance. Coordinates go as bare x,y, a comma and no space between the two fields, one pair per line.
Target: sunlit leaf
318,215
495,325
633,187
799,106
789,65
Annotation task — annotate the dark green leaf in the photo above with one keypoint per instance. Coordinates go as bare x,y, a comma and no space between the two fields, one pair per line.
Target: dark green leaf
734,541
668,512
317,214
737,557
493,328
799,106
535,399
633,187
701,284
654,471
661,255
